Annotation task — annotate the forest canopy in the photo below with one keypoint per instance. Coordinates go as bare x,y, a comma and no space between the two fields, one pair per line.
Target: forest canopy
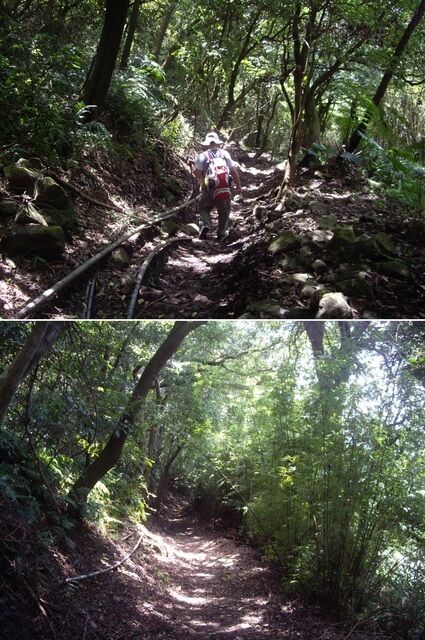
300,80
307,437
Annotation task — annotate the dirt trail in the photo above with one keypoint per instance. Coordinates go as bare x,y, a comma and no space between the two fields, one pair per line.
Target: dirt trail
184,580
216,588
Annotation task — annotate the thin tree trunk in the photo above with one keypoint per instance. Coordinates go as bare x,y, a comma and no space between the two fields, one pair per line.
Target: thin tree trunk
356,136
132,26
165,476
166,19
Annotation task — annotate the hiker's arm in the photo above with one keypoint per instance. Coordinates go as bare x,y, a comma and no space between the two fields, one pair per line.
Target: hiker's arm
199,175
236,178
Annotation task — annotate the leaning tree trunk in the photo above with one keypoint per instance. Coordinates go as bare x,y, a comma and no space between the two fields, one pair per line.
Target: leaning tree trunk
96,85
356,136
36,346
111,453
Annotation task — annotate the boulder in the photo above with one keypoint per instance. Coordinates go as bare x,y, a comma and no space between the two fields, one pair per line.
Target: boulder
342,239
285,241
50,194
305,256
319,266
328,222
318,208
415,232
334,305
359,247
356,288
55,218
393,269
169,227
45,242
380,247
21,179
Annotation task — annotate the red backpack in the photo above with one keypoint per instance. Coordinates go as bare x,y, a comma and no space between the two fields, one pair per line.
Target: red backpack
217,176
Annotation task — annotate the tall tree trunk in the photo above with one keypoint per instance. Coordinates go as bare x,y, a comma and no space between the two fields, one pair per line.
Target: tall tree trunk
36,346
356,136
111,453
166,19
96,85
165,476
301,52
132,26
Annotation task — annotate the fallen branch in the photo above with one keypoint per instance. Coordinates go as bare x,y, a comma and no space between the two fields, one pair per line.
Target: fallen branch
106,569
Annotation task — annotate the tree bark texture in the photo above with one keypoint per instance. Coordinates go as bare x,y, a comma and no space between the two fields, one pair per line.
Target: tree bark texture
97,83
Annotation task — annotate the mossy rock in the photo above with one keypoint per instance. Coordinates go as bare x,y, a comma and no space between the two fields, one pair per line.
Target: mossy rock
191,229
51,194
328,222
356,288
169,227
342,239
318,208
21,179
285,241
380,247
267,309
45,242
55,218
394,269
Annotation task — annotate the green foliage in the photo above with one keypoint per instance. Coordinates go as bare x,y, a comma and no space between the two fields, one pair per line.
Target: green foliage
134,102
36,95
401,172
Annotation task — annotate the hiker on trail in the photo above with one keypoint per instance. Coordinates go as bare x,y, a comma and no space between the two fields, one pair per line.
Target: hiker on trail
215,172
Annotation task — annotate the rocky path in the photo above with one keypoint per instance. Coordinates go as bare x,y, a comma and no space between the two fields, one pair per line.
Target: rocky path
332,241
332,251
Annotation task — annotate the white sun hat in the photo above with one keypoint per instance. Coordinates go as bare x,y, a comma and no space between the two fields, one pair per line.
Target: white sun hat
211,137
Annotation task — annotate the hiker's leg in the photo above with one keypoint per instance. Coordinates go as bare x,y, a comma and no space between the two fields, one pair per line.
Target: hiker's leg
223,209
206,204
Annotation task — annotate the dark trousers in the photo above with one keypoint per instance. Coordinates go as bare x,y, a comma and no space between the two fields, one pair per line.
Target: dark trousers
207,204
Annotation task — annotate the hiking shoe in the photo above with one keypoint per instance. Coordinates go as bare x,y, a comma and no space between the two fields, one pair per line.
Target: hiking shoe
203,232
222,235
